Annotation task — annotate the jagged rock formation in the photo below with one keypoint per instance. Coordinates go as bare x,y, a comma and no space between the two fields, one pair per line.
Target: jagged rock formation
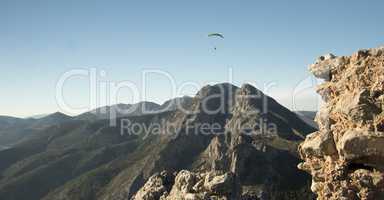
346,156
252,157
188,186
157,186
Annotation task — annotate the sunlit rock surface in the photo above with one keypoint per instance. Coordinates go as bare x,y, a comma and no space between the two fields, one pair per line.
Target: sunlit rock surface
346,156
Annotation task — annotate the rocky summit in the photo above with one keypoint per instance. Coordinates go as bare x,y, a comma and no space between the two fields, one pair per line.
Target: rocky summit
254,157
346,156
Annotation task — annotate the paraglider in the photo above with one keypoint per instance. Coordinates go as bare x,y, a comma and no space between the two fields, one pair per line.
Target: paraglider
216,35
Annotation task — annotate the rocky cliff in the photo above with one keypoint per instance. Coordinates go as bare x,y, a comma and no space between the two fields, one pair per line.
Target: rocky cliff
346,156
253,157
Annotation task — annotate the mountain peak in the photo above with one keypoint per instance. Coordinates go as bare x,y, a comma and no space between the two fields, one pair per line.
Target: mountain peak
249,89
56,115
220,88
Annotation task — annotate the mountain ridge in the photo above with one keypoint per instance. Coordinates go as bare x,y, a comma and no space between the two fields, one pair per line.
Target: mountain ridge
100,162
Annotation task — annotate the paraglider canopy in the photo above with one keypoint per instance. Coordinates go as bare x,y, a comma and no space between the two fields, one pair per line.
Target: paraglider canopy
216,35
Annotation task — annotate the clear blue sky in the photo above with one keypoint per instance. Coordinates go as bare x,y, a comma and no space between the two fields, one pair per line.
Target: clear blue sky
265,41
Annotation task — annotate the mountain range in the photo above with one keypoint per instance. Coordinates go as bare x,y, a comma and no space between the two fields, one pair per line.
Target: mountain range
250,136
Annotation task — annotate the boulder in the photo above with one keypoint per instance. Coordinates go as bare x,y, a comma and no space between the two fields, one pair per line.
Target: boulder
318,144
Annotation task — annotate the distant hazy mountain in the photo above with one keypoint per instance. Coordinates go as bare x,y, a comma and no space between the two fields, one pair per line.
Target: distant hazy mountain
119,110
50,120
83,158
141,108
6,121
12,129
38,116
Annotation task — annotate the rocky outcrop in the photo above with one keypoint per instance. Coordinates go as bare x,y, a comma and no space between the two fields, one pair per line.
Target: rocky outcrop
157,187
346,157
188,186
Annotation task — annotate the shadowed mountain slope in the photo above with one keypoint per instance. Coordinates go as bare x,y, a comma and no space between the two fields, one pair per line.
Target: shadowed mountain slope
223,128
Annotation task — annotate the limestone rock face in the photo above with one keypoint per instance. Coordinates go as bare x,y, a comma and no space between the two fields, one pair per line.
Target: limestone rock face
157,187
188,186
346,157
